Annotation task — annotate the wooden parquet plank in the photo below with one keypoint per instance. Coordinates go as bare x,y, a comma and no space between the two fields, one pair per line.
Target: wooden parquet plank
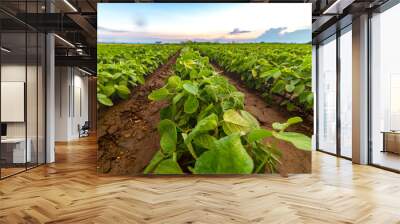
70,191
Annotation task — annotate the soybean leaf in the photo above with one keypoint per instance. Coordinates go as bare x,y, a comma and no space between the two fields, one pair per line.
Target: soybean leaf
279,126
174,81
167,130
168,166
193,74
108,90
294,120
250,119
282,126
235,123
299,140
103,99
177,97
140,79
258,134
254,73
159,94
205,112
299,89
157,158
229,157
191,104
122,91
279,87
190,88
310,98
289,88
206,141
203,126
290,106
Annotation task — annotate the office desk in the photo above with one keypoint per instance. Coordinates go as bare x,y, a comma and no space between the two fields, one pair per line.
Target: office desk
391,141
13,150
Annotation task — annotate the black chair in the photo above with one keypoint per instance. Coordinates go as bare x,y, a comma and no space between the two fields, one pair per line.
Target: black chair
84,130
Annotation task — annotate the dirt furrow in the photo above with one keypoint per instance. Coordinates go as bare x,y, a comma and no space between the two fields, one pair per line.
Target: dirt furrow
293,160
127,132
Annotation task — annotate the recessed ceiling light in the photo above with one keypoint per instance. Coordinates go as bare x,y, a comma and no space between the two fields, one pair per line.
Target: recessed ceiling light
70,5
64,40
338,6
5,50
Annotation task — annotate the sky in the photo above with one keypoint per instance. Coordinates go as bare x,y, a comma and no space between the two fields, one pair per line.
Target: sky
216,22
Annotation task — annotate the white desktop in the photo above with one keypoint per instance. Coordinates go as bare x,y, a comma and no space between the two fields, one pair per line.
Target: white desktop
17,146
13,98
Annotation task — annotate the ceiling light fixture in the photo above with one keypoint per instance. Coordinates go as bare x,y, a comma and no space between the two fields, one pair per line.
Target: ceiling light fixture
337,7
64,40
70,5
86,72
5,50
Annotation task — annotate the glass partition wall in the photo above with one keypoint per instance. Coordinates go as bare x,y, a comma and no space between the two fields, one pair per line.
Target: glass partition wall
22,77
385,89
327,95
334,94
345,61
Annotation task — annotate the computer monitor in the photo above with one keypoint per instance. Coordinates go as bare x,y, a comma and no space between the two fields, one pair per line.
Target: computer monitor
3,129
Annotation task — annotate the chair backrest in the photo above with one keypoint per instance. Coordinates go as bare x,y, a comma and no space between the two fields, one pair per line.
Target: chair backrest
86,125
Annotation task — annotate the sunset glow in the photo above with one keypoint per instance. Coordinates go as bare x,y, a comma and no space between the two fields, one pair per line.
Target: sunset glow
151,22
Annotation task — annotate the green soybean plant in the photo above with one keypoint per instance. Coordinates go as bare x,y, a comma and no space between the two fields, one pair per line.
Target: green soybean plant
205,129
273,69
124,66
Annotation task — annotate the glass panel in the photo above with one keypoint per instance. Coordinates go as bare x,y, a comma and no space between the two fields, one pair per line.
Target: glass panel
327,96
346,94
32,88
32,98
23,90
13,86
41,98
385,84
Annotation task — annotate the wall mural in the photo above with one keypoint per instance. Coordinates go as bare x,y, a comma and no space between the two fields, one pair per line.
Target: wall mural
204,88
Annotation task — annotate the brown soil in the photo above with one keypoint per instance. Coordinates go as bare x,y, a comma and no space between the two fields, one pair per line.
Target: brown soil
128,137
127,132
293,160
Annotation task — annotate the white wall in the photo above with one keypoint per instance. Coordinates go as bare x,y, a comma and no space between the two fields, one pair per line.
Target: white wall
16,72
62,81
70,84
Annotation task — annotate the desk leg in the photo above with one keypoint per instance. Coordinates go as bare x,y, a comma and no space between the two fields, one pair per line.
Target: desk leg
384,142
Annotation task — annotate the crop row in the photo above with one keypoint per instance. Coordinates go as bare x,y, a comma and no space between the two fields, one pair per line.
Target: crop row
205,129
273,69
122,66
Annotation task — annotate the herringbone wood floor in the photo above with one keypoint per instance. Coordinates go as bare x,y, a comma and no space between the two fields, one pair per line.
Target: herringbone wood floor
69,191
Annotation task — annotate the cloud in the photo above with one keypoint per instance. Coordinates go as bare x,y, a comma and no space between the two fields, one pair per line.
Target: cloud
140,22
104,29
237,31
274,35
280,35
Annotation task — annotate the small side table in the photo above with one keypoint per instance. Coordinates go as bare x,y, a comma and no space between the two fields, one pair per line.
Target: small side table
391,141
